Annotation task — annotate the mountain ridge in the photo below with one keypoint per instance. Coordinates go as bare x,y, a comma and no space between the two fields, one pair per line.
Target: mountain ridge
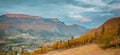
40,27
22,16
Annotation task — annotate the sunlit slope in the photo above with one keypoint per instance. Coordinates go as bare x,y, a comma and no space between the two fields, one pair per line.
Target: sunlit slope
90,49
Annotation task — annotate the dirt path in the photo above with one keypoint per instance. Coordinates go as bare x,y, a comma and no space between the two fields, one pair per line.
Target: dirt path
90,49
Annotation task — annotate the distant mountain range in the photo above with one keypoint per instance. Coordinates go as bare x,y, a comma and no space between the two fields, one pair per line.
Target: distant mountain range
39,27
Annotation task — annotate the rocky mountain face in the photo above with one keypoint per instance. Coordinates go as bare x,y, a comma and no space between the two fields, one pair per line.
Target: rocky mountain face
12,25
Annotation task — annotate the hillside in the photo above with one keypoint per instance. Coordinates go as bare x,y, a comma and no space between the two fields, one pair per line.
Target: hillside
108,34
110,27
25,23
90,49
39,30
104,40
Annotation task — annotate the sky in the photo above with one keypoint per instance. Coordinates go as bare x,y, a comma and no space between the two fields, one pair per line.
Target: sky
88,13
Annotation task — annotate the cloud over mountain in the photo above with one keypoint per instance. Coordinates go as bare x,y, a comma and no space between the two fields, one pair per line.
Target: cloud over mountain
94,9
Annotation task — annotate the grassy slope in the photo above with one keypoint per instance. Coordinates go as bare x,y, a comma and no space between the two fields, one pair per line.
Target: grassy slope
91,49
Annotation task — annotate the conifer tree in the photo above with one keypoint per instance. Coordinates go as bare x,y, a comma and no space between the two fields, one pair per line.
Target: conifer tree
22,50
118,36
118,30
44,49
59,46
53,46
63,44
38,51
103,30
69,43
66,44
73,41
95,37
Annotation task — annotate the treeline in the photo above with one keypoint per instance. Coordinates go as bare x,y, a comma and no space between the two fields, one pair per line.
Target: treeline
103,38
54,46
61,45
103,41
109,38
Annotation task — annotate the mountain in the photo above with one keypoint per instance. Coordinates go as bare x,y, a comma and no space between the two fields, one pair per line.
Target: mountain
110,27
100,39
47,29
107,35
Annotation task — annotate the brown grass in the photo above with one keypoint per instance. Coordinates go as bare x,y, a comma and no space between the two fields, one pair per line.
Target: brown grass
91,49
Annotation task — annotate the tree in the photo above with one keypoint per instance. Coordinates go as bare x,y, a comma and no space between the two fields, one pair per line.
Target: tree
66,44
22,50
25,53
103,30
63,44
10,53
118,36
69,44
73,42
44,49
95,37
118,30
53,46
59,46
38,51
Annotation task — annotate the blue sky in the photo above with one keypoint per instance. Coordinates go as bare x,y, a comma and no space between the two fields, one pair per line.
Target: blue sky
88,13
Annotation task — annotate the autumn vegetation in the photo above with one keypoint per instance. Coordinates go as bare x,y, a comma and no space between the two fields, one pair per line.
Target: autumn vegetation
106,36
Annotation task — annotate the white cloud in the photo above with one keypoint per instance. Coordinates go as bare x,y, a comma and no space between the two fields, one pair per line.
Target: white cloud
93,2
76,17
80,18
102,5
77,10
106,14
80,9
86,20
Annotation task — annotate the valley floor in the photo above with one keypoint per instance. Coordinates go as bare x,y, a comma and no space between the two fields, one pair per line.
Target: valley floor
91,49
